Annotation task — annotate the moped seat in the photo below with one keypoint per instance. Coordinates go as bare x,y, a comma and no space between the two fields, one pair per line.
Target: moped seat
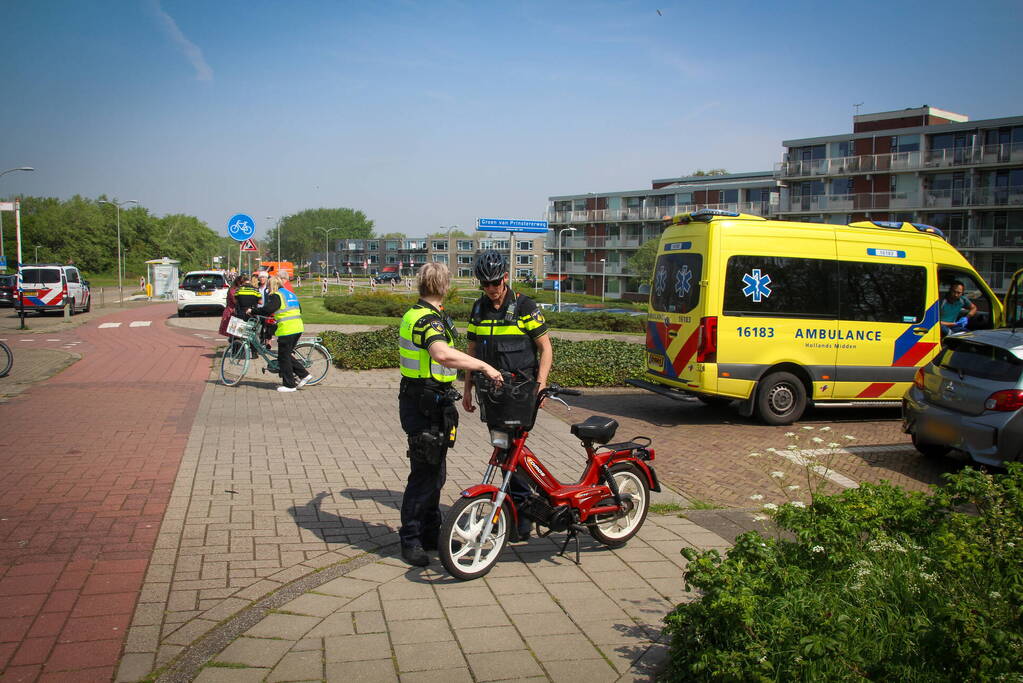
596,428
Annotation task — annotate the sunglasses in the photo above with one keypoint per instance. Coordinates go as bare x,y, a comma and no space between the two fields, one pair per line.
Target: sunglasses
491,283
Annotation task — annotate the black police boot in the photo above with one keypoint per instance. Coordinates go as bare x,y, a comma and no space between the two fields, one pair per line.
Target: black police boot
415,555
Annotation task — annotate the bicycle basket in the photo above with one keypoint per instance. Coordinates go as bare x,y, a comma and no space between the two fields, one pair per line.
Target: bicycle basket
236,327
510,406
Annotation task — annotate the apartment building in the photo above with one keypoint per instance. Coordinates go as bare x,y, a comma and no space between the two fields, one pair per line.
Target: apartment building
526,254
922,165
593,235
359,257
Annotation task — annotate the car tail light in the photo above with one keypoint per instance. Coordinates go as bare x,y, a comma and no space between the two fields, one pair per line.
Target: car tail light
707,344
1005,400
918,379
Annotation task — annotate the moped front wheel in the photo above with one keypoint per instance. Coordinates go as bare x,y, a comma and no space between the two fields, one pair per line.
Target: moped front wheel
614,530
463,550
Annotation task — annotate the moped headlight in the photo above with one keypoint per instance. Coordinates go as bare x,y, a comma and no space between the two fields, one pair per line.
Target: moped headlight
498,438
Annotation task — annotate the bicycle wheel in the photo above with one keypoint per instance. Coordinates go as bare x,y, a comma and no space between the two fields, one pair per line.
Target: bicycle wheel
234,363
314,358
6,359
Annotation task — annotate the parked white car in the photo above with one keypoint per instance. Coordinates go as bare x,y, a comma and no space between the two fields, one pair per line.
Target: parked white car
202,290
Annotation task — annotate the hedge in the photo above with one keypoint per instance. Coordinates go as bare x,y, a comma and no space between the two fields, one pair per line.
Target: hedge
604,362
394,305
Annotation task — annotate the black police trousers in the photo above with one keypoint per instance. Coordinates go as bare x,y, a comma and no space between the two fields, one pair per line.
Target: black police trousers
420,505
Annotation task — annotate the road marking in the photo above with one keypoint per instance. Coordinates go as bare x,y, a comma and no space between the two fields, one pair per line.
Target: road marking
803,458
26,340
140,323
56,340
102,325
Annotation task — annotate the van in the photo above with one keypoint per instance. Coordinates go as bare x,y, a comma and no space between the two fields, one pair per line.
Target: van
780,314
53,287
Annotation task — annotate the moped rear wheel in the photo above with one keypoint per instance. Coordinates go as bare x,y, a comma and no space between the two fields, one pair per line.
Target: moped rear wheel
615,530
462,550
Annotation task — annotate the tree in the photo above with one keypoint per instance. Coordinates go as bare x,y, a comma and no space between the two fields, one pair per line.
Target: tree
699,173
444,233
299,236
642,262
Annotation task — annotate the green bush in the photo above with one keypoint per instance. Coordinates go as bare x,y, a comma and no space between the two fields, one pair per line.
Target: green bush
576,364
879,584
394,305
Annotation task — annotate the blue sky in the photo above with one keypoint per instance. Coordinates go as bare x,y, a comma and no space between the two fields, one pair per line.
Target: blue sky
432,114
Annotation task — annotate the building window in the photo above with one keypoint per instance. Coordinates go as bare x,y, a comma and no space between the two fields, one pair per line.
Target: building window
465,272
523,272
465,245
579,205
391,245
464,260
524,259
373,245
373,259
842,186
391,258
905,143
440,245
524,245
441,258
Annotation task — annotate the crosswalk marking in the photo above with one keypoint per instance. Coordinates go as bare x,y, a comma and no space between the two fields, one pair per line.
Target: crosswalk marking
102,325
140,323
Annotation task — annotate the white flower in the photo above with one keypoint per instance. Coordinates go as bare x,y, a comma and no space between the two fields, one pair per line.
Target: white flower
851,438
825,429
790,434
792,447
817,549
808,428
995,595
1010,544
817,439
792,487
772,449
798,504
770,506
833,445
753,455
778,474
759,518
757,496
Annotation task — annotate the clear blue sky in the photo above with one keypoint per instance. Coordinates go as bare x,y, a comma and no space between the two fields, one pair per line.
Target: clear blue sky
427,114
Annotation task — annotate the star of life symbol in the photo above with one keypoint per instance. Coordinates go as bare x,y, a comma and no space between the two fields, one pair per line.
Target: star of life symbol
683,281
661,281
756,285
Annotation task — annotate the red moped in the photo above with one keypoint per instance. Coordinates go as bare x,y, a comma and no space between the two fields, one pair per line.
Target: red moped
610,501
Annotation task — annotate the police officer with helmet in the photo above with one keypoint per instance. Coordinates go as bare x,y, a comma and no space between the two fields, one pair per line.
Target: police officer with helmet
426,406
508,331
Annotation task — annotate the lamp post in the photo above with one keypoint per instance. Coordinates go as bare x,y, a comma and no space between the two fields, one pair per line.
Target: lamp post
561,266
326,243
3,173
270,218
37,253
120,283
603,273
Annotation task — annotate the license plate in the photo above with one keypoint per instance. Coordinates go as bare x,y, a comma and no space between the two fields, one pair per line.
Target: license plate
30,292
655,362
204,293
940,432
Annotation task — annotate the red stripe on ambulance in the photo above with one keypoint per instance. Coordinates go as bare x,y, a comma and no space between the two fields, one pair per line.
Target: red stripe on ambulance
875,389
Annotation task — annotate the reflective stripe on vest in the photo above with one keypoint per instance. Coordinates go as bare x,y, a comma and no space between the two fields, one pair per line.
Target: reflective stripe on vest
247,291
288,316
416,362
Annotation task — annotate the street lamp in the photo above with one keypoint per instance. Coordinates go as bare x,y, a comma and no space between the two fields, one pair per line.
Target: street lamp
561,265
37,253
326,243
120,284
603,273
3,173
270,218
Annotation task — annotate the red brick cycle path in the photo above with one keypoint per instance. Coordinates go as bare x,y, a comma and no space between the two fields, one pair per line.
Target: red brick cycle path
87,463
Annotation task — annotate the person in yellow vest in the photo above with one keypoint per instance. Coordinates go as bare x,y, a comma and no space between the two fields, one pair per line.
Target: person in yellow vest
426,407
283,305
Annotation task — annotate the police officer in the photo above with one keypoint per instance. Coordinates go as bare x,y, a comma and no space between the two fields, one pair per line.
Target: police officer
283,305
246,297
508,331
426,406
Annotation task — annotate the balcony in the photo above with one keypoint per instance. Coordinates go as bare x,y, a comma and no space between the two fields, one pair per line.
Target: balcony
592,268
927,200
984,239
894,162
655,213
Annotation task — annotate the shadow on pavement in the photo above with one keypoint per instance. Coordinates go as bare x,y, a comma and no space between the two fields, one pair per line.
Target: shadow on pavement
332,528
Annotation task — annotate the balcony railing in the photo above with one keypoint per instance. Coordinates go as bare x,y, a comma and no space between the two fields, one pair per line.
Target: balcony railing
652,213
902,161
982,238
906,201
593,268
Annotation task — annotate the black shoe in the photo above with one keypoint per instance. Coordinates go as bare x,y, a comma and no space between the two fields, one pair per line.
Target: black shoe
415,555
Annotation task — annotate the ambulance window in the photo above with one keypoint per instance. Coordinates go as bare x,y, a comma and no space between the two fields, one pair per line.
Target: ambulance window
882,292
982,320
676,285
780,287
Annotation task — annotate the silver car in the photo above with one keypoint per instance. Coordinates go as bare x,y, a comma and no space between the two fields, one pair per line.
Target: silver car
970,398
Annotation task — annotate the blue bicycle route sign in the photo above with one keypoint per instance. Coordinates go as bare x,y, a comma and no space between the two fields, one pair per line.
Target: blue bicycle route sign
241,227
510,225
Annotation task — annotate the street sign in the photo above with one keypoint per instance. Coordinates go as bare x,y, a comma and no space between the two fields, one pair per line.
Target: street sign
241,227
6,206
510,225
249,245
557,285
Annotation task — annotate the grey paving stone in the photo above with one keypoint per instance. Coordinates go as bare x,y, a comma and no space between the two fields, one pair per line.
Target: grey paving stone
419,631
288,626
216,674
585,671
354,648
437,676
371,671
529,604
544,624
492,639
255,652
420,608
298,666
568,646
370,622
134,667
428,656
496,666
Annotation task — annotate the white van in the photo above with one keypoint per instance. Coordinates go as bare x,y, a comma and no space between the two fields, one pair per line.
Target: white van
52,287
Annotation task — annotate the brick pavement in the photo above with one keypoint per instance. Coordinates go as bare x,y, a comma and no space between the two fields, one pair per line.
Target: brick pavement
87,460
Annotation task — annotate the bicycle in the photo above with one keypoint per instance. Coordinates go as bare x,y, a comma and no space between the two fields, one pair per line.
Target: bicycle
315,358
6,359
609,502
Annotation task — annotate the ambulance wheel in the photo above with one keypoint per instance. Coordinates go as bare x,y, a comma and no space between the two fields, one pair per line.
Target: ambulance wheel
781,398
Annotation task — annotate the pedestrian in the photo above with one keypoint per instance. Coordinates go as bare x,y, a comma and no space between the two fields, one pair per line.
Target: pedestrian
508,331
426,407
246,298
232,303
283,305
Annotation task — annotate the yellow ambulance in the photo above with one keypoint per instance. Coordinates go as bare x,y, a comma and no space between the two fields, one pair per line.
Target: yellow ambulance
781,314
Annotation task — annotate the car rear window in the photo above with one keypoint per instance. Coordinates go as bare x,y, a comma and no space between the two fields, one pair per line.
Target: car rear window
40,275
7,280
202,282
979,360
